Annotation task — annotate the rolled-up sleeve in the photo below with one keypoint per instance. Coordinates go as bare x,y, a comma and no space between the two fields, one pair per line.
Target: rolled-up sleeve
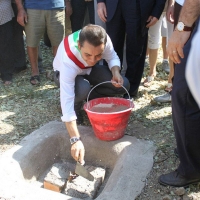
68,74
110,55
67,94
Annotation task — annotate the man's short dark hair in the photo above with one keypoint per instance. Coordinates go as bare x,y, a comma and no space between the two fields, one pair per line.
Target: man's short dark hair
93,34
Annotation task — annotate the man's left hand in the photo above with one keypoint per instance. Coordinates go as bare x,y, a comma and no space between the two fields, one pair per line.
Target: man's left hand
176,44
151,21
117,79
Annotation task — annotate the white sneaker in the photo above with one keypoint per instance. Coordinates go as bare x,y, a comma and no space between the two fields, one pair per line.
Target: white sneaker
165,66
164,98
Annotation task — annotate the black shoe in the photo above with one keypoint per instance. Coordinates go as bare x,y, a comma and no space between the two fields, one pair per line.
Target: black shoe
177,180
77,109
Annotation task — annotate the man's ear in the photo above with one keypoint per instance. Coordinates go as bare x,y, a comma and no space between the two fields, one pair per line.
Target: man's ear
79,46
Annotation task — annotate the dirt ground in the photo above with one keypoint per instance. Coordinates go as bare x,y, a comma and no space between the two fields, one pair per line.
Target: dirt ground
24,108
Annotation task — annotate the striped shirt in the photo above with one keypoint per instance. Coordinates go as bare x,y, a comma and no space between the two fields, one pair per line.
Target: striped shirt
6,11
70,63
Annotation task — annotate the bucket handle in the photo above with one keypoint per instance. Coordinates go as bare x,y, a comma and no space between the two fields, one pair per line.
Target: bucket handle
103,83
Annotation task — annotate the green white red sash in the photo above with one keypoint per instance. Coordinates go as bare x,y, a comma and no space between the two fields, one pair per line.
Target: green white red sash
72,50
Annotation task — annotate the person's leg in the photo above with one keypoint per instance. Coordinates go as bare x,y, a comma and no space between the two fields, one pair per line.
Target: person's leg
136,44
164,34
106,89
165,98
82,88
77,17
116,30
47,41
154,36
6,52
40,64
55,24
164,48
33,57
18,44
90,6
34,30
153,55
186,116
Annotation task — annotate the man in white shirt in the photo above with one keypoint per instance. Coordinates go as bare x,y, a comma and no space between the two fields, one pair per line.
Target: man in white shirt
76,69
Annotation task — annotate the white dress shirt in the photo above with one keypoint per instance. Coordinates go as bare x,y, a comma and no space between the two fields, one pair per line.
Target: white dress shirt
69,70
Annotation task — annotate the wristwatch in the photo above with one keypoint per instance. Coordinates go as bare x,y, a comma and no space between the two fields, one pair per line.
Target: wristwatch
74,140
182,27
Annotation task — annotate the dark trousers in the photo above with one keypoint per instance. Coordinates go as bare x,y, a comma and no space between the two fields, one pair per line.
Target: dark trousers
6,51
18,45
186,120
79,10
99,74
127,22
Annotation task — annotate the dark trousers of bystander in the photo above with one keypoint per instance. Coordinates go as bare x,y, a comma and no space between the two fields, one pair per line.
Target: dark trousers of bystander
6,51
127,22
18,44
186,120
79,8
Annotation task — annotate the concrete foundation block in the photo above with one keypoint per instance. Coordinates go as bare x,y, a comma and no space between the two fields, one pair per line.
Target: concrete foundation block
83,188
129,159
57,176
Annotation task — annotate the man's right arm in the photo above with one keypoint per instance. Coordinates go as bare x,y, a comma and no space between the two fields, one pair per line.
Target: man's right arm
189,13
77,149
67,83
101,10
22,15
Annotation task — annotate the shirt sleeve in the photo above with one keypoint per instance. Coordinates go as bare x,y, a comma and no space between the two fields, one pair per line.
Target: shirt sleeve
68,74
67,94
110,55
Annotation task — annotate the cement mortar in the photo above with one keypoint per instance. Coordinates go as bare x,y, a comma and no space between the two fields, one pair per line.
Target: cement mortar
131,160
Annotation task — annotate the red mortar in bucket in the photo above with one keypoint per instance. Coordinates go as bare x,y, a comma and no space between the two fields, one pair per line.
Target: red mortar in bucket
109,126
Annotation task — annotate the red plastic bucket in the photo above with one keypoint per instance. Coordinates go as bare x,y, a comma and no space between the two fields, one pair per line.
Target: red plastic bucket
109,126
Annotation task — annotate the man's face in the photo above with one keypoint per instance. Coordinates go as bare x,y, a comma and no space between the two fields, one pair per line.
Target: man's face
90,53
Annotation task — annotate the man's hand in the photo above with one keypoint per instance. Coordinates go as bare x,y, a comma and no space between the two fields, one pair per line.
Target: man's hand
170,13
78,151
68,9
176,44
151,21
102,12
117,79
22,17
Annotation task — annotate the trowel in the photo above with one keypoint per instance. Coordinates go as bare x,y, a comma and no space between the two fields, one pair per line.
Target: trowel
82,171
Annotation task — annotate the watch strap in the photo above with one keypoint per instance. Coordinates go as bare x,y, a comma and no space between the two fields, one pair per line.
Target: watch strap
74,140
187,28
